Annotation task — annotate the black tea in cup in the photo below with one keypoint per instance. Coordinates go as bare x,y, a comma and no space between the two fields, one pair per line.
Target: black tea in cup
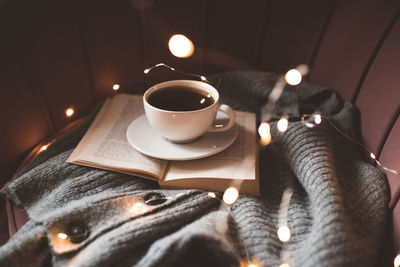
179,98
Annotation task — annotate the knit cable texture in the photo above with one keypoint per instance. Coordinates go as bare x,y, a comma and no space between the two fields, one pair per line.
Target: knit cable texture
336,214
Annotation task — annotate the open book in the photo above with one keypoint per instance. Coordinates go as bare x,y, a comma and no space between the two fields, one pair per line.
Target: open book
105,146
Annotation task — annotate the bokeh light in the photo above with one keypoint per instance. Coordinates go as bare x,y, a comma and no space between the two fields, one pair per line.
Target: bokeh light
283,124
231,195
69,112
62,236
115,87
284,233
180,46
212,194
317,119
397,261
138,208
293,77
265,133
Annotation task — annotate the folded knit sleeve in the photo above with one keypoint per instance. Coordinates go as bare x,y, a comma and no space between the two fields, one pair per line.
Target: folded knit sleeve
28,247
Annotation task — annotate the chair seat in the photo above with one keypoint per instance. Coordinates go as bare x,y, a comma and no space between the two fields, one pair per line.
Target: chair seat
17,217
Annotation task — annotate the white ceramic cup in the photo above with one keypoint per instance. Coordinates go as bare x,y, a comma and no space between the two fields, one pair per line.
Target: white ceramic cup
187,126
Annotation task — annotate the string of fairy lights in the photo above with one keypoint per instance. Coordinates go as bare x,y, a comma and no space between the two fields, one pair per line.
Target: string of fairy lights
181,46
293,77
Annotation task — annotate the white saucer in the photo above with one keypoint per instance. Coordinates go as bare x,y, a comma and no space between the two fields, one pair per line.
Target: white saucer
147,141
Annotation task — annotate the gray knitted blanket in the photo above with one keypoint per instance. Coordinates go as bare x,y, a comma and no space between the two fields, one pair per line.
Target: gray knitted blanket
81,216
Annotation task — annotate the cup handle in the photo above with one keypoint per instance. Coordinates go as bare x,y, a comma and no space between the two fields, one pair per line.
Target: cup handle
230,113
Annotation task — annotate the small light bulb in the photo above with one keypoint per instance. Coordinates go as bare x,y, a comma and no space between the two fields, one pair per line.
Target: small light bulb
138,207
372,155
306,123
62,236
115,87
293,77
146,71
264,130
283,124
212,194
397,261
284,233
180,46
231,195
265,141
317,119
265,133
69,112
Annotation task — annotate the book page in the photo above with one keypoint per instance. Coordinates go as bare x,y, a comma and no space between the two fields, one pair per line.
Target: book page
236,162
105,144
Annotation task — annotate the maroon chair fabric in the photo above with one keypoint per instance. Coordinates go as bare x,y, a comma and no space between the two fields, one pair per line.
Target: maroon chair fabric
292,33
352,37
379,96
17,217
25,120
390,157
49,42
112,35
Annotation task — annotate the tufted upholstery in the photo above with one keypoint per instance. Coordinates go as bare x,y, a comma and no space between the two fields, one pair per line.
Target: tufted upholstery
57,54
